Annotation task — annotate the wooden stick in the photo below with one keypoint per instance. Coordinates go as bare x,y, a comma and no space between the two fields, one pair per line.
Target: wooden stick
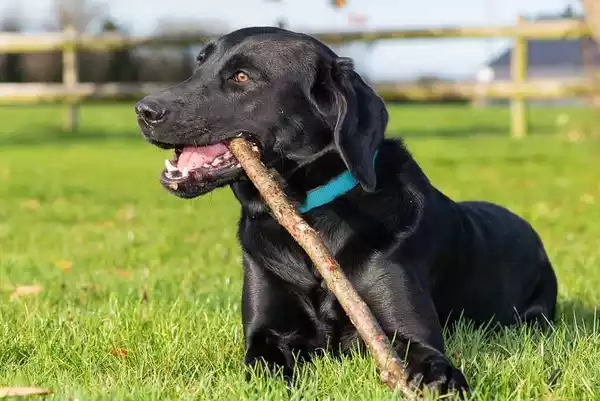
393,374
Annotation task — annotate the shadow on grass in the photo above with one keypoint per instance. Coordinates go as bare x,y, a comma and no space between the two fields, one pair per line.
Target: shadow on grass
57,136
575,313
466,132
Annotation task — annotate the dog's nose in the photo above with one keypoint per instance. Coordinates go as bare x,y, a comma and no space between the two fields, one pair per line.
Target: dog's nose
151,111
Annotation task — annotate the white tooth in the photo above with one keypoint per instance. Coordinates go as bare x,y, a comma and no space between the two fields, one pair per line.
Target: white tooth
206,165
238,165
185,172
169,166
227,155
216,162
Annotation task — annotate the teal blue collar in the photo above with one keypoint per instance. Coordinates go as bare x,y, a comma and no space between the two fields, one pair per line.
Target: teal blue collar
329,192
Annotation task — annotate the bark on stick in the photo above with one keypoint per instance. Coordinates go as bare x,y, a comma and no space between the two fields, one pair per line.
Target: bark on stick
393,374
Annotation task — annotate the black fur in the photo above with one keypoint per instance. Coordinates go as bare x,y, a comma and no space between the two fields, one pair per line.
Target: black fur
418,258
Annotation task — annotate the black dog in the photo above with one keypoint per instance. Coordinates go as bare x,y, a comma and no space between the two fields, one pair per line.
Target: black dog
418,258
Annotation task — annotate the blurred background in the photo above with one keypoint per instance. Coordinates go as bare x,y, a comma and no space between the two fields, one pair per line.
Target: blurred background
383,61
478,52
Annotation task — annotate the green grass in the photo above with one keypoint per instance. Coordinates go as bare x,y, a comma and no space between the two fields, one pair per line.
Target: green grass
159,278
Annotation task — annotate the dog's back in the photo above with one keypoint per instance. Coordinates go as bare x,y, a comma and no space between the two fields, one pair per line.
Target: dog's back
499,269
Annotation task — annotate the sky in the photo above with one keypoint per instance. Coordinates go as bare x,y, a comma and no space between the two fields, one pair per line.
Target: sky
385,60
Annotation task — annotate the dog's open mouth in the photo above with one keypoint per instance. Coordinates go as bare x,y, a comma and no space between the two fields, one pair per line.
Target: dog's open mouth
195,167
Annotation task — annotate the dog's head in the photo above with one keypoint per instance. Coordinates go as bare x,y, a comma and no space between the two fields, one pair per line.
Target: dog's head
287,92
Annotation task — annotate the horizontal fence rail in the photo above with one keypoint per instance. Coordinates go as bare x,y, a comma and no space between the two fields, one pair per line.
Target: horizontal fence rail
517,89
33,93
544,30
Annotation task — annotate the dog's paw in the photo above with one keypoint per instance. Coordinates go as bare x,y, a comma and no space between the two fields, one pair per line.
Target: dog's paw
257,367
437,374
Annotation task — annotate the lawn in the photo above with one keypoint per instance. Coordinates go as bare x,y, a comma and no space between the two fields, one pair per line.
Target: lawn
137,292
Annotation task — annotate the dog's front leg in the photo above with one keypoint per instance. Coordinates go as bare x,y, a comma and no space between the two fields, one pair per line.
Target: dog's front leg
277,321
403,306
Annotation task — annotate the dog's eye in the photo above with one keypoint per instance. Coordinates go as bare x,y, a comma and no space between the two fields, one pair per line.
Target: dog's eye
241,77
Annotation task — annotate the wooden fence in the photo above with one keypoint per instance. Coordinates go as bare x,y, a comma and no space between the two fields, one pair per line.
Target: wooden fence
519,88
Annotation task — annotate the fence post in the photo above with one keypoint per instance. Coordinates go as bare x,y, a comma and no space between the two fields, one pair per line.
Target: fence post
70,77
518,109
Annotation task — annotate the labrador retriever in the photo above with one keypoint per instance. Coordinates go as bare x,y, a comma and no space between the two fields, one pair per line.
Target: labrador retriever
419,259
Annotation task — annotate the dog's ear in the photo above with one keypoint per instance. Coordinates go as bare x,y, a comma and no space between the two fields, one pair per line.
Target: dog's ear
359,120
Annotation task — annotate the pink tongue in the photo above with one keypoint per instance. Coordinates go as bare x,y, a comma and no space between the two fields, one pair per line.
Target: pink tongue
195,156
